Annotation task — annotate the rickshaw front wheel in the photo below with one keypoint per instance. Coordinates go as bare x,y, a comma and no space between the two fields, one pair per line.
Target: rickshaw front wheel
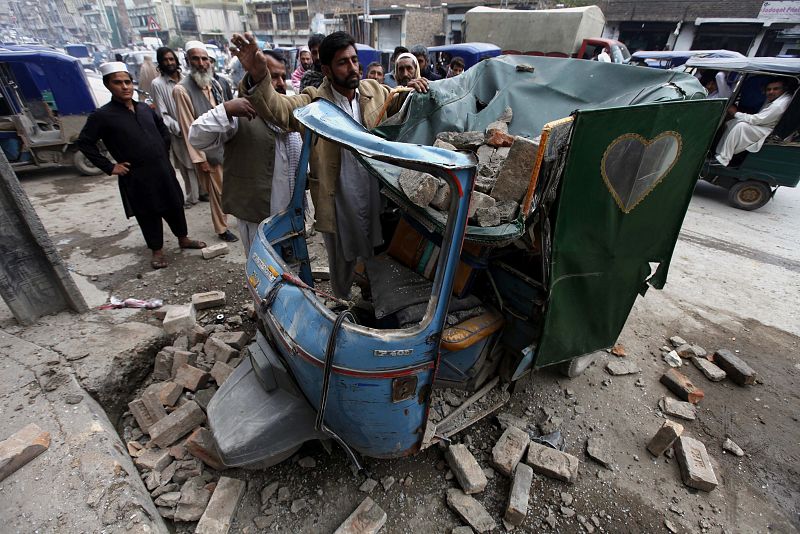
749,195
83,165
576,366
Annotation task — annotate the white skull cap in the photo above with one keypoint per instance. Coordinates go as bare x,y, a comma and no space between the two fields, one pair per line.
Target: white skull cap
113,66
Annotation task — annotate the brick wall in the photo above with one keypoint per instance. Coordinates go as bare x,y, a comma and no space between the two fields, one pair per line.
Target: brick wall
422,25
675,10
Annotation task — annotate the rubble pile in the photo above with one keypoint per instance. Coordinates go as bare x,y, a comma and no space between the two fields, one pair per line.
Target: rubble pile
163,428
505,167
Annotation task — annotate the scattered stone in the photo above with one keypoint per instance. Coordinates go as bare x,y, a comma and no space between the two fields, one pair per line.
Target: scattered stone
168,474
263,522
307,462
217,350
507,115
677,341
552,463
676,408
178,319
177,424
162,368
151,480
151,397
664,438
501,126
169,499
462,140
497,138
485,152
509,450
407,481
585,524
672,528
221,508
193,501
507,210
695,464
237,340
21,447
489,472
516,171
479,200
731,447
551,519
685,351
470,510
566,511
169,393
191,377
466,469
202,446
212,251
566,498
284,494
681,386
153,460
598,451
196,335
618,350
712,372
220,372
487,217
419,187
622,367
517,507
506,419
178,451
525,67
735,367
298,505
165,488
368,485
699,351
268,491
387,482
203,301
73,398
444,144
367,518
672,359
441,200
203,397
462,530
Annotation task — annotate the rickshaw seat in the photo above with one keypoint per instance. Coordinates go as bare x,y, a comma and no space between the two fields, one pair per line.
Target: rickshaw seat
469,332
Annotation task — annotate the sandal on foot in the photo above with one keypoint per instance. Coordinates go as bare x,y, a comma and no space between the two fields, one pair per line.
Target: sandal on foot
158,264
193,243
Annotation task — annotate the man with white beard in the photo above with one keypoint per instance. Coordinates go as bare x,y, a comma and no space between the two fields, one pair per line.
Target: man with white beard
194,95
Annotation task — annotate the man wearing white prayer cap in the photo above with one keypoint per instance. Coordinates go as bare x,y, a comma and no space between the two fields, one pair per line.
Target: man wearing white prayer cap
137,139
194,95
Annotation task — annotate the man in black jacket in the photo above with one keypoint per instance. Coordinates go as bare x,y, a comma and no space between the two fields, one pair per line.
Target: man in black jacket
138,140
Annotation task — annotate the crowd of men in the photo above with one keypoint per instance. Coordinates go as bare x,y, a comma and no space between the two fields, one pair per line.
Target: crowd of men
242,154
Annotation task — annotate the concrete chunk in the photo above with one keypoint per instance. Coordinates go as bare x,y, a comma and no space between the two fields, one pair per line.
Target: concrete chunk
178,319
735,367
696,469
479,200
681,386
622,367
664,438
444,144
466,469
507,209
517,507
21,447
470,510
221,508
367,518
220,372
509,450
487,217
441,200
202,446
712,372
677,341
676,408
193,501
598,451
237,340
462,140
190,377
730,446
552,463
419,187
213,251
218,350
209,299
177,424
516,171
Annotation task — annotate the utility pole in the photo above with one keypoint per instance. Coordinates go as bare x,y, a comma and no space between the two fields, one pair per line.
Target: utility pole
125,31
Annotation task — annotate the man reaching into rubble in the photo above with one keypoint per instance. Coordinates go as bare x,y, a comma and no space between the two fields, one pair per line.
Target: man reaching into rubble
345,196
137,139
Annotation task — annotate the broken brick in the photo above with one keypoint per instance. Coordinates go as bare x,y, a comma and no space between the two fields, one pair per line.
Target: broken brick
367,518
170,391
681,386
141,414
552,463
517,507
178,319
470,510
237,340
152,401
190,377
177,424
466,469
509,450
220,372
664,438
516,171
180,357
218,350
497,138
202,446
735,367
695,464
221,509
153,460
21,447
209,299
162,368
215,250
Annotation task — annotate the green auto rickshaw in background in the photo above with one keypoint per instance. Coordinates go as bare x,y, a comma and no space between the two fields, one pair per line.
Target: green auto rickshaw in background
752,178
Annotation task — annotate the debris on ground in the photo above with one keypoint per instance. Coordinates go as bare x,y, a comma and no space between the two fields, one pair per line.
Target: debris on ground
681,386
368,518
664,438
695,464
736,368
730,446
21,447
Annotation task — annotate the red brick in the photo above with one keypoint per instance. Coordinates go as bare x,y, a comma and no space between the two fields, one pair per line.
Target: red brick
170,391
497,138
177,424
681,386
190,377
220,372
21,447
202,446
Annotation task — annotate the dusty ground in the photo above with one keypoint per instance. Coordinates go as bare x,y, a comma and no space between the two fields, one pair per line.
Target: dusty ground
733,284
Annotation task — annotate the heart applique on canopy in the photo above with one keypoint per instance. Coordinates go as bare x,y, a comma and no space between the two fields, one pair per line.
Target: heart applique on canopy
632,166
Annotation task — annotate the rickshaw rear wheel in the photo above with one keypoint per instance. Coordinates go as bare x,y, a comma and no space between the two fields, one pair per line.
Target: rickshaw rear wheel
576,366
749,195
83,165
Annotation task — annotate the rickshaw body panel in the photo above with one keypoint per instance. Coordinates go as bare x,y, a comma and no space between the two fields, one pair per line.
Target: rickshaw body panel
776,164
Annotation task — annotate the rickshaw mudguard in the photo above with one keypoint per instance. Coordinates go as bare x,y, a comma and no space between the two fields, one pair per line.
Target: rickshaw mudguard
626,185
380,380
259,417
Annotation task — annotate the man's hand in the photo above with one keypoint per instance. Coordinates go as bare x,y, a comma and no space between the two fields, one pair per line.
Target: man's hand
239,107
420,85
253,60
204,166
121,169
732,110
